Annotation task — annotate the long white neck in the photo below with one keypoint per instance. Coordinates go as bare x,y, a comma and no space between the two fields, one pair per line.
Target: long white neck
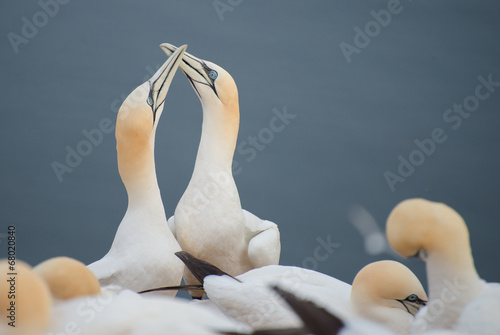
453,283
218,140
135,148
212,188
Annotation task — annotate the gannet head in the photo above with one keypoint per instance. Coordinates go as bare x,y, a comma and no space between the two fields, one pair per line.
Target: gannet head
31,297
390,284
143,107
67,278
419,227
387,292
213,85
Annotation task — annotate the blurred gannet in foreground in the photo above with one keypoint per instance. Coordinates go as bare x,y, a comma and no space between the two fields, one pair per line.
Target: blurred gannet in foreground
32,309
142,253
113,311
209,221
458,298
386,292
67,278
129,313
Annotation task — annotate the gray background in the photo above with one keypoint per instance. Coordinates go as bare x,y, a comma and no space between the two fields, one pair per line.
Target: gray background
352,120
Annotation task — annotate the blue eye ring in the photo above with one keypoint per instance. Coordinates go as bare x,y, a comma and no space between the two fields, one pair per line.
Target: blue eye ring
213,74
412,297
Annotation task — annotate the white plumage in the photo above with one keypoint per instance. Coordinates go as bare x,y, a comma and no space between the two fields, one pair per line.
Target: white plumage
386,292
126,312
142,253
253,302
209,221
459,299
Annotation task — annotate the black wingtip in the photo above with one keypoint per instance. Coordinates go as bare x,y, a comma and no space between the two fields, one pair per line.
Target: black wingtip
200,268
316,319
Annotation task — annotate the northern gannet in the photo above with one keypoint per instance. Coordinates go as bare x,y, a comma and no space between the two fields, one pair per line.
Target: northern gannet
67,278
113,311
320,320
142,253
126,312
25,300
385,292
458,298
209,221
388,293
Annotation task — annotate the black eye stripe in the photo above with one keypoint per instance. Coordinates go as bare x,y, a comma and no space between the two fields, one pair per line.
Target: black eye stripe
207,76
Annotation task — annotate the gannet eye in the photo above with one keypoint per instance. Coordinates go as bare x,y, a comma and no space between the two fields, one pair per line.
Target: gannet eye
213,74
149,100
412,298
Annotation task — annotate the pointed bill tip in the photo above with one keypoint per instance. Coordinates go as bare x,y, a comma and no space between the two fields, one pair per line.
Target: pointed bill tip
159,83
169,49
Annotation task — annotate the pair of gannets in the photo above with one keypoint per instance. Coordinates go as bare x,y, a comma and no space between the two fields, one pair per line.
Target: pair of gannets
209,220
386,292
458,299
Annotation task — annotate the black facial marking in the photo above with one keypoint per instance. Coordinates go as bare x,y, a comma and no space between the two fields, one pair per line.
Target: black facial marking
414,301
151,100
403,303
194,86
207,70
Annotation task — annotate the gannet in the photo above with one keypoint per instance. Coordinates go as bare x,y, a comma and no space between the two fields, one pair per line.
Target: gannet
126,312
458,298
386,292
142,253
111,312
25,297
67,278
209,221
247,298
320,320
